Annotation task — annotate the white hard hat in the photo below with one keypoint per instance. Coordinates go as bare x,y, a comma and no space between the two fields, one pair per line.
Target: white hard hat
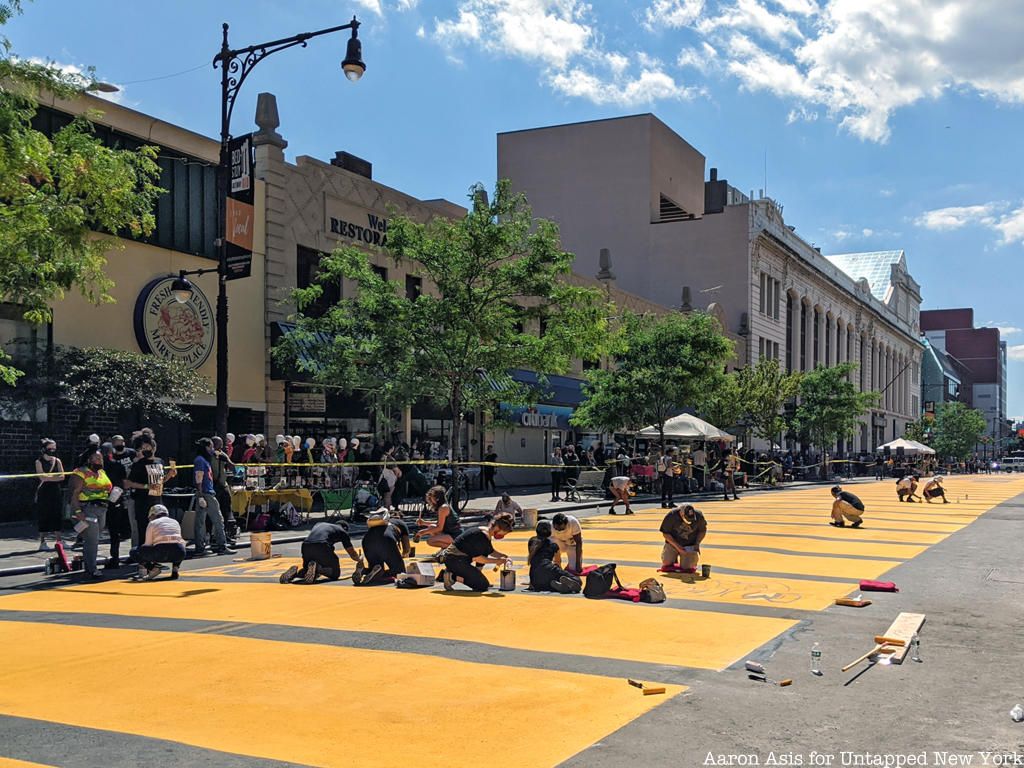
230,437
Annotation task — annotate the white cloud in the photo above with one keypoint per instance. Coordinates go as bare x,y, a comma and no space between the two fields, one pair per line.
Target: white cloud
702,59
648,86
1011,226
406,5
802,7
371,5
1009,330
841,234
886,192
866,232
466,27
946,219
801,114
1015,352
85,77
673,14
421,32
750,15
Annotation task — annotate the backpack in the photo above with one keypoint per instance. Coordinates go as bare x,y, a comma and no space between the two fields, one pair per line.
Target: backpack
600,581
651,591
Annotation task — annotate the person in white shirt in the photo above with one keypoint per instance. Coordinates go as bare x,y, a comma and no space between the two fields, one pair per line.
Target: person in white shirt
906,487
163,544
508,506
619,487
567,533
700,460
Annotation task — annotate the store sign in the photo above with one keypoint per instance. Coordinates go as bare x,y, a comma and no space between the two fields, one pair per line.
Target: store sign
307,402
356,224
240,212
183,333
537,416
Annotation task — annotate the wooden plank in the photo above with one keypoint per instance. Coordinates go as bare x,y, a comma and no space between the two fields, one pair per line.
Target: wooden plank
904,628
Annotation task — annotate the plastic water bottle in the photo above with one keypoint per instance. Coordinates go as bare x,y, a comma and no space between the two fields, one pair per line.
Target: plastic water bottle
915,648
816,660
1017,714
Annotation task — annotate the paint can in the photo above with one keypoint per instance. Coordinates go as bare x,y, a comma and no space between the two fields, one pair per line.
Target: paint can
705,571
530,518
260,545
507,580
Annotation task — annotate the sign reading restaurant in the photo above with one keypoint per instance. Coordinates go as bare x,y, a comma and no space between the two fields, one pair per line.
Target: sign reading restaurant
182,332
356,224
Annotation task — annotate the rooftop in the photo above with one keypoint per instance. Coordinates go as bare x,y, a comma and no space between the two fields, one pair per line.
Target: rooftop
875,267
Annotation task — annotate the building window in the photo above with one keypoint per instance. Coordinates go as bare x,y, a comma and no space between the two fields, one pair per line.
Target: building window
413,287
828,341
817,337
803,336
307,267
591,365
863,367
913,406
789,334
768,302
777,289
381,272
760,347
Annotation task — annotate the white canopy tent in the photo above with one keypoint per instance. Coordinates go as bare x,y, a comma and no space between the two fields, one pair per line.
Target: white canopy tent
688,427
910,447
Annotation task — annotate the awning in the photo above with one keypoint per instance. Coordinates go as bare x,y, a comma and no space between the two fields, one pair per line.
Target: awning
559,390
688,426
304,353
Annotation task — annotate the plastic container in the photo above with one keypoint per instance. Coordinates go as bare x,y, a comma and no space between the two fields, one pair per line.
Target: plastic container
260,546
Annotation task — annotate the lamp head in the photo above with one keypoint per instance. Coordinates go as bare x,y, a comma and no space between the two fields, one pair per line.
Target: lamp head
181,289
353,65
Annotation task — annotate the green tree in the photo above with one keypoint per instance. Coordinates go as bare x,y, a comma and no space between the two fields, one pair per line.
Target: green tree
57,192
100,380
956,430
919,431
724,405
764,390
662,365
830,405
490,280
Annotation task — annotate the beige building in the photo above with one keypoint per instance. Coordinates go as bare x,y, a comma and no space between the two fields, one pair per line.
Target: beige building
633,186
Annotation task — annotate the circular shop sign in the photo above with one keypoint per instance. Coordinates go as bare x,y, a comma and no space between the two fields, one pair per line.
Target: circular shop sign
179,332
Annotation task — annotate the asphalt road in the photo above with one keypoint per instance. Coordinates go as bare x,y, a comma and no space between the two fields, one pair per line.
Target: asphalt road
227,667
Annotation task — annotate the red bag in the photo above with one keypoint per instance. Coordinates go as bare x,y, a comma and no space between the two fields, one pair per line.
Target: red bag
623,593
878,586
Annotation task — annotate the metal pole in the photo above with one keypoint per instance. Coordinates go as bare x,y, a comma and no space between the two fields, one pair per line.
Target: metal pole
222,247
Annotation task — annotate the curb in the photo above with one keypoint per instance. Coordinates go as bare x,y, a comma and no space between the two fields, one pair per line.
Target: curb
597,504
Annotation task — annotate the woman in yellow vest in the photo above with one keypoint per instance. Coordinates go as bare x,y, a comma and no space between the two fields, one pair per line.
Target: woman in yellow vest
89,490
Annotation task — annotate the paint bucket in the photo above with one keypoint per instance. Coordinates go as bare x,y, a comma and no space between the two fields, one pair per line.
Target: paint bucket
259,546
507,580
530,518
705,571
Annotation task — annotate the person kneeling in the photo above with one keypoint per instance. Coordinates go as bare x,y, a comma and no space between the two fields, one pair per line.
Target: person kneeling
385,545
683,529
933,490
474,547
163,544
318,557
545,575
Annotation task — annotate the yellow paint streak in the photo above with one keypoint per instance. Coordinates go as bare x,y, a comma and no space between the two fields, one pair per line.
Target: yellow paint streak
553,624
10,762
312,704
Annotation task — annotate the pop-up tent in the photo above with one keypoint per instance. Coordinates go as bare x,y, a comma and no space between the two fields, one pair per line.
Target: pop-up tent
910,447
688,427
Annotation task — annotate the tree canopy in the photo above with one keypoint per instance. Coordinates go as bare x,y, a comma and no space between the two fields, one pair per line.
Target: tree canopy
830,405
764,390
57,192
662,365
956,430
495,297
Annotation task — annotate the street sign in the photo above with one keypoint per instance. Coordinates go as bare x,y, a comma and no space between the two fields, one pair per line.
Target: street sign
240,211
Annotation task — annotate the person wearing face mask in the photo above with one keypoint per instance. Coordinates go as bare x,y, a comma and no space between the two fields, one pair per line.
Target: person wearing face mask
118,524
49,499
146,479
223,468
206,501
89,489
471,548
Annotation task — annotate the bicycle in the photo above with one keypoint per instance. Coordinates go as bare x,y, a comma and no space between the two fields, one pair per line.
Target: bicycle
456,487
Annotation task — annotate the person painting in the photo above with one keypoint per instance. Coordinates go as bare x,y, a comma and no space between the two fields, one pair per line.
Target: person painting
732,465
49,499
568,534
905,488
933,490
385,544
683,529
448,527
846,506
471,547
162,543
545,575
318,556
89,490
619,489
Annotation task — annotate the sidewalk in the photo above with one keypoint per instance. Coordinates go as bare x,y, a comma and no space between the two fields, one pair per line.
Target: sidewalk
19,541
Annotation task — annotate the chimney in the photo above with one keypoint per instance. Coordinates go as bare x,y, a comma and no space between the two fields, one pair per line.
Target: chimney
353,164
714,174
605,264
686,306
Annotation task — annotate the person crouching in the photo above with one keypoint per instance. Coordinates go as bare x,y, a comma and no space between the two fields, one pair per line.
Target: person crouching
933,490
846,506
545,575
163,543
474,547
905,488
385,545
318,557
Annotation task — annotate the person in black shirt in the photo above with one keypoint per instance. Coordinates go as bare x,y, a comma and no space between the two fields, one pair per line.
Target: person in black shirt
488,472
384,547
318,557
448,526
683,529
117,512
545,575
845,505
474,546
146,477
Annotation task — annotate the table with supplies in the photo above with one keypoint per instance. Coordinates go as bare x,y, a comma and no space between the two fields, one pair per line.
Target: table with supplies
243,500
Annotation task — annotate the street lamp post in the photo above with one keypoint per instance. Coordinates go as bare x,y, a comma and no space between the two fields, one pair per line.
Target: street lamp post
235,65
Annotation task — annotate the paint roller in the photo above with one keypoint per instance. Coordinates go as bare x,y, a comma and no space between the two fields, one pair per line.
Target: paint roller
882,645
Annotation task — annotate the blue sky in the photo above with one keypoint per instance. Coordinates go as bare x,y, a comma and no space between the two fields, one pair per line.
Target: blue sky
878,124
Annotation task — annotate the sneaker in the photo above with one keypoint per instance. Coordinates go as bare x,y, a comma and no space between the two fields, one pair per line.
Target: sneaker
359,573
174,573
289,575
406,583
857,524
225,550
153,572
440,576
629,511
565,585
612,512
141,574
199,552
310,575
837,525
449,580
112,563
372,574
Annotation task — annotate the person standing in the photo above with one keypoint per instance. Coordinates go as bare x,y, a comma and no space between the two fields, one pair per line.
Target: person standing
206,501
683,529
846,505
557,473
89,490
700,467
224,468
49,497
146,479
666,472
489,472
572,463
118,522
599,456
568,534
732,465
